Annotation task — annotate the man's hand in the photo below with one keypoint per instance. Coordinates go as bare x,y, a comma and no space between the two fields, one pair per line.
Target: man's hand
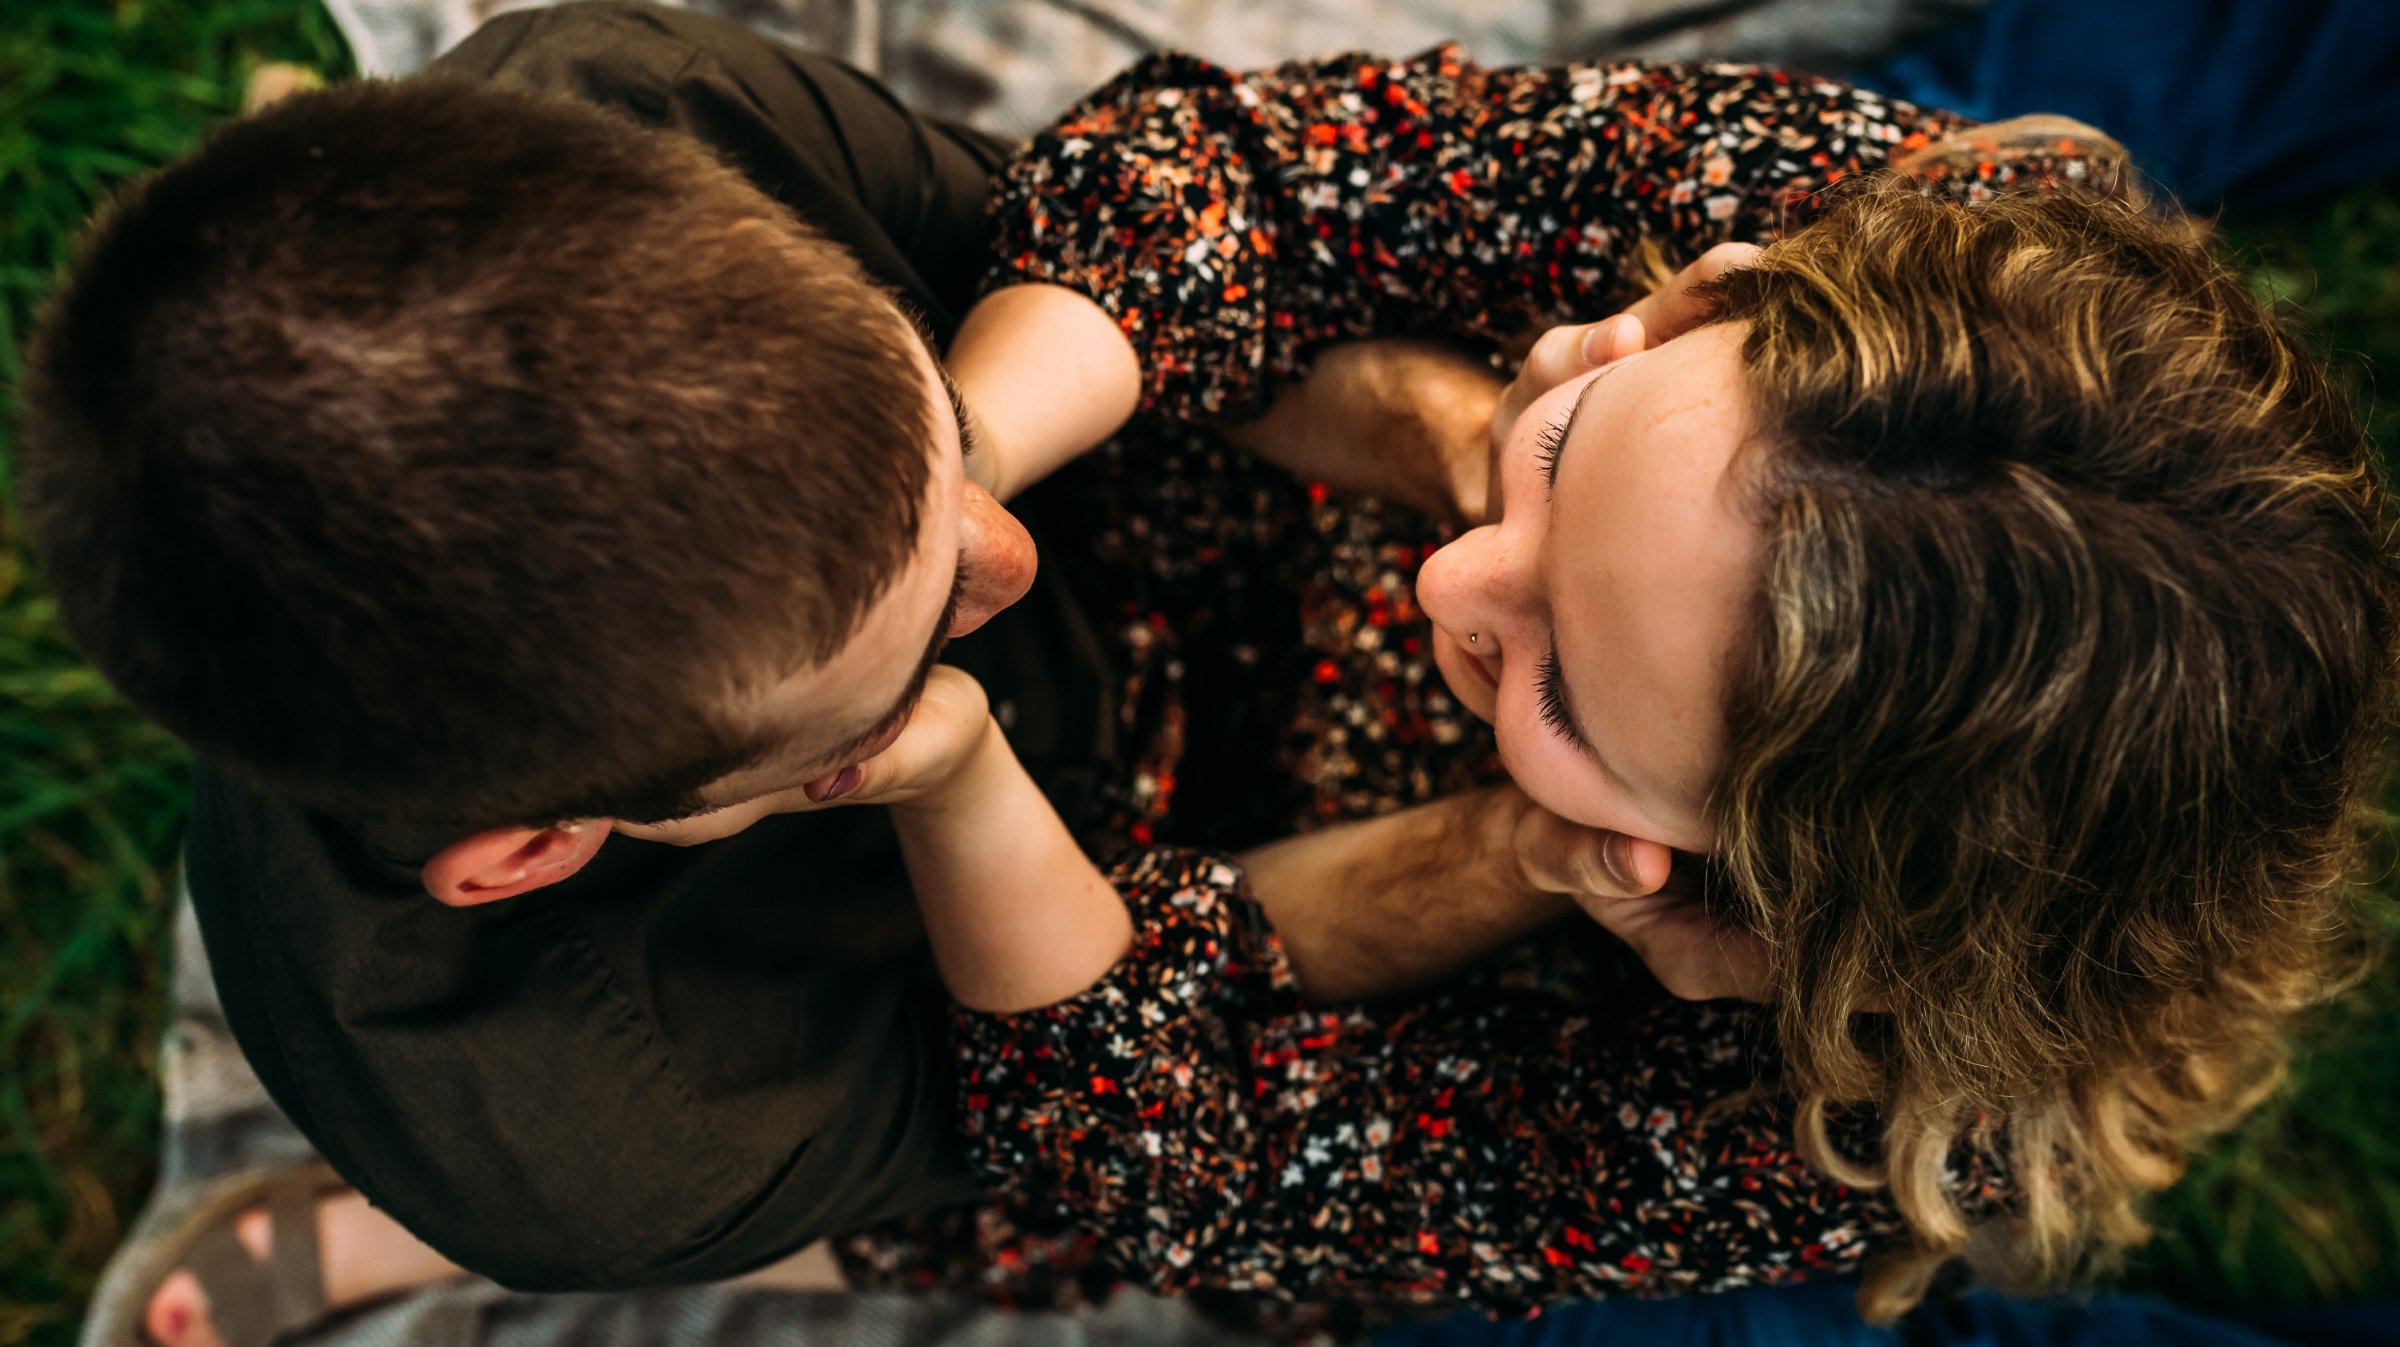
1418,423
1386,905
952,720
1635,890
1565,352
1395,418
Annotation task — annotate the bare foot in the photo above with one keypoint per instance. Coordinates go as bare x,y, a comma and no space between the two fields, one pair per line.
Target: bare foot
362,1253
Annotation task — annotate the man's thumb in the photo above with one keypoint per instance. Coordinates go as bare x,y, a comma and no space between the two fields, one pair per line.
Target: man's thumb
1563,857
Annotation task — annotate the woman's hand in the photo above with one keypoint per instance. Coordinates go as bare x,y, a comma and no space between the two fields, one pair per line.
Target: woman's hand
1565,352
931,758
1633,888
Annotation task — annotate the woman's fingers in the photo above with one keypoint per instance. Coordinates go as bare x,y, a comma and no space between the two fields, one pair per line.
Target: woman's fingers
949,721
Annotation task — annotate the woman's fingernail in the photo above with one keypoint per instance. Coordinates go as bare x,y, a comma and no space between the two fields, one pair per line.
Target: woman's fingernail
844,782
1596,342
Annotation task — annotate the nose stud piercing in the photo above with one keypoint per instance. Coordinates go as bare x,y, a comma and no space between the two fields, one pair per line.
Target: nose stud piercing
1474,638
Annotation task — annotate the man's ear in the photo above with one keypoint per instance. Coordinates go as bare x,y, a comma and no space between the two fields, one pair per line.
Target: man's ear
505,862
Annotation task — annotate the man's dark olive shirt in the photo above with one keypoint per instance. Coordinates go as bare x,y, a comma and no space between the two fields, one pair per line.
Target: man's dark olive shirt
681,1063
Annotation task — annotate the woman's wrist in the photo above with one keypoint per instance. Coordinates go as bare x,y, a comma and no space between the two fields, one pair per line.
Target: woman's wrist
1047,374
985,767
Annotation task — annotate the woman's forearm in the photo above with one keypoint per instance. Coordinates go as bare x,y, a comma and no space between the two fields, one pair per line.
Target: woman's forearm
1016,915
1047,375
1512,1146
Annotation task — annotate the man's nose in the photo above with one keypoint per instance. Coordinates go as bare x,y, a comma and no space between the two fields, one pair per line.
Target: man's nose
996,561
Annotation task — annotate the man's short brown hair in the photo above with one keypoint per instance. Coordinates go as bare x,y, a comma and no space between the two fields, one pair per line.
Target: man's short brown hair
448,452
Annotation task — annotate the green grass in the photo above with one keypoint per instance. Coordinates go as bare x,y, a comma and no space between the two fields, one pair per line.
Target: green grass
91,798
2302,1205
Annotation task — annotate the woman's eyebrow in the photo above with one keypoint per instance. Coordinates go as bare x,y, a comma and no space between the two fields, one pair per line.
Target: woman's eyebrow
1566,433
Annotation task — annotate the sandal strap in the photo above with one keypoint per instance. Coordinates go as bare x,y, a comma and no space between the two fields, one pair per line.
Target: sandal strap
253,1303
295,1272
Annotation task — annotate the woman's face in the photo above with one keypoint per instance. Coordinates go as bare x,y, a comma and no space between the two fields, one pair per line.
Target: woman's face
1606,602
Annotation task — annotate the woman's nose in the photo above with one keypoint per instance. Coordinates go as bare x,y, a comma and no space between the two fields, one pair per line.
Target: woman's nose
1472,586
996,561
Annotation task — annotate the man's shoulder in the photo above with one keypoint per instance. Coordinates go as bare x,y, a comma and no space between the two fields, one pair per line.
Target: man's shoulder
615,54
716,1029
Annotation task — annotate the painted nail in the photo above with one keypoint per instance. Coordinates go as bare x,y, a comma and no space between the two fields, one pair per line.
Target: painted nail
844,782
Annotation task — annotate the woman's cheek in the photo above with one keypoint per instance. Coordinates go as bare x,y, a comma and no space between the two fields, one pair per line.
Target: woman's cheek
1554,775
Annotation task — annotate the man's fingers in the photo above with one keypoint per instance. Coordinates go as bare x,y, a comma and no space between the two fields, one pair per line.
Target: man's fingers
1621,883
944,727
1713,965
1565,353
1563,857
1672,310
1575,348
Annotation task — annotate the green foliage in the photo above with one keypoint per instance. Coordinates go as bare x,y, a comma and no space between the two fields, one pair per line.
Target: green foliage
2301,1204
2339,262
91,798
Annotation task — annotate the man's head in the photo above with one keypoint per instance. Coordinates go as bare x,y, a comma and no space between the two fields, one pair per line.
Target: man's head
446,453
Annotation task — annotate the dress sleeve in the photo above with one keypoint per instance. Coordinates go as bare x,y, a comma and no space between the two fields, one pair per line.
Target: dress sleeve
1499,1148
1231,223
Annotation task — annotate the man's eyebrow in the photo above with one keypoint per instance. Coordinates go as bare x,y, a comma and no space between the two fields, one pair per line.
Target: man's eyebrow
916,681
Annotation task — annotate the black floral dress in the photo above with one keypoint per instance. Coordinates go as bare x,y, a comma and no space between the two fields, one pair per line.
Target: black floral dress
1554,1126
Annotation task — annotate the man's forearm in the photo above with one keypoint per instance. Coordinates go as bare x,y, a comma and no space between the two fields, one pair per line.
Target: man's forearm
1386,905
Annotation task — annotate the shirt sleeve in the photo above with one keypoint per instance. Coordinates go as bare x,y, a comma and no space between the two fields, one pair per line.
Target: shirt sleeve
903,193
1498,1148
1232,222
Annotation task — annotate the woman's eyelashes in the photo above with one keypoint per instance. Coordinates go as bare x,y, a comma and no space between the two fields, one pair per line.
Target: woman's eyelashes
1550,697
1545,449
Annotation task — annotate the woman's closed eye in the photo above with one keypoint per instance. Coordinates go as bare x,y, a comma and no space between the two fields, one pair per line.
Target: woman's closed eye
1550,693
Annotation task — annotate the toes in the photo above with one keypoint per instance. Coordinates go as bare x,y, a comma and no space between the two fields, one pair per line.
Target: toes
178,1314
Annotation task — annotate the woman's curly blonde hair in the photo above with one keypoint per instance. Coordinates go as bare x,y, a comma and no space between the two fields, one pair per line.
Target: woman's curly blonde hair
2052,736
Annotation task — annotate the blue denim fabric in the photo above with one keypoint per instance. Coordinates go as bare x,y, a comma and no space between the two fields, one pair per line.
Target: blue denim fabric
2245,103
1820,1314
